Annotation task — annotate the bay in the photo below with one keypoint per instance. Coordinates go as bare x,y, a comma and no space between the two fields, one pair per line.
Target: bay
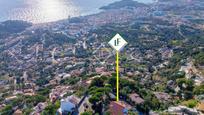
40,11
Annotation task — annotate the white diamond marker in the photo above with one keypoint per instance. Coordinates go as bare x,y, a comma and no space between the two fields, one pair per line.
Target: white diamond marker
117,43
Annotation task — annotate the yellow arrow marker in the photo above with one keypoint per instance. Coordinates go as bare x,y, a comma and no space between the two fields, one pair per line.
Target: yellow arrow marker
118,43
117,75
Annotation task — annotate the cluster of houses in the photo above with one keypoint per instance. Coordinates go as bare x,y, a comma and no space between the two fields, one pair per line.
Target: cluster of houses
75,105
192,73
59,92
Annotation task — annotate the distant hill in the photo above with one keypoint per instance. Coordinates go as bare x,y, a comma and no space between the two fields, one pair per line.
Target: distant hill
122,4
13,26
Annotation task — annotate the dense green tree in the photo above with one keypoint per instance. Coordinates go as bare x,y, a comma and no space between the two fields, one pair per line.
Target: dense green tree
98,82
188,94
186,86
7,110
189,85
34,100
87,113
199,58
132,113
199,90
42,81
190,103
112,82
44,91
125,91
70,81
143,108
27,111
178,74
51,109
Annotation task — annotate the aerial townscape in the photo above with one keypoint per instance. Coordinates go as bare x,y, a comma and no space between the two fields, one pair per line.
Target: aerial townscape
67,67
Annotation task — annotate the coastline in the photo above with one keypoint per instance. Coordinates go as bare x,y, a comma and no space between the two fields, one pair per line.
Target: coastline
90,13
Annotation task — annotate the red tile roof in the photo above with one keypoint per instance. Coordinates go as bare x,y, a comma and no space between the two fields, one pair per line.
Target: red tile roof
200,107
117,108
136,98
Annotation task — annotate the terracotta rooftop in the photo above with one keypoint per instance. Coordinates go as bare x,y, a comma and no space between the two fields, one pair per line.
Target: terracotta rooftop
201,106
136,98
118,108
18,112
162,96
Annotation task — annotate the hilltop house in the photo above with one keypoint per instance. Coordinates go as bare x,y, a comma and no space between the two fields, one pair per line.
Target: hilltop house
18,112
182,110
68,105
162,97
119,108
135,98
